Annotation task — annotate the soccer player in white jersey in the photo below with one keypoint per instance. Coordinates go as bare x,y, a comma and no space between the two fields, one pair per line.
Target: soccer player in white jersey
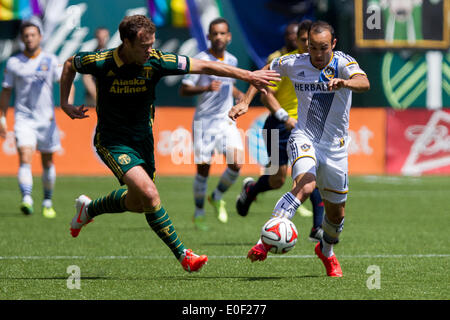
32,74
212,128
324,81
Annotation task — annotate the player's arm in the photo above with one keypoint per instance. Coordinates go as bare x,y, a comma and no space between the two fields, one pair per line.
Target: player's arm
89,85
271,103
66,82
238,95
190,90
259,78
5,96
242,107
357,83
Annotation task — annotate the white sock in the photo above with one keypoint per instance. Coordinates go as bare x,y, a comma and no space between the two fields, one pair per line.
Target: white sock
286,206
48,182
331,233
200,186
327,249
47,203
25,179
227,179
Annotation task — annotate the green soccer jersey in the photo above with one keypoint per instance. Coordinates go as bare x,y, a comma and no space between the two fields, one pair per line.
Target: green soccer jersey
126,92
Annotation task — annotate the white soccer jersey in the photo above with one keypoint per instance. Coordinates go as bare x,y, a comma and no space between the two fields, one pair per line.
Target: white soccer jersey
323,116
32,80
213,104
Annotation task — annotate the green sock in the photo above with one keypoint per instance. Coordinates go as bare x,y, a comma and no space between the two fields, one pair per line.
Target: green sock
112,203
160,222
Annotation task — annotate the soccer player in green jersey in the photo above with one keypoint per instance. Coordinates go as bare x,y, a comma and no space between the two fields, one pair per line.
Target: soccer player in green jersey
126,83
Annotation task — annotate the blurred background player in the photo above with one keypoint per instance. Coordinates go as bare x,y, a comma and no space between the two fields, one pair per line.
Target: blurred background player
324,81
127,77
283,120
212,128
102,37
32,74
290,42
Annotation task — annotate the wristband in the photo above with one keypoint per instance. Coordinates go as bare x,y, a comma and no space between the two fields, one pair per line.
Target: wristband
3,121
281,115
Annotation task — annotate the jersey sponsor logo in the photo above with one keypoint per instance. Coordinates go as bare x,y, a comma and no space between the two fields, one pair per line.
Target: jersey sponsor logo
318,86
301,74
124,159
128,86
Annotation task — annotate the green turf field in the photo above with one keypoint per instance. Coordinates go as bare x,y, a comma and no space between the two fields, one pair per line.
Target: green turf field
399,225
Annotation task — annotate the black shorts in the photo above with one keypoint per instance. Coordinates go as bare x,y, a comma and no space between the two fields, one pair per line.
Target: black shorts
121,156
273,123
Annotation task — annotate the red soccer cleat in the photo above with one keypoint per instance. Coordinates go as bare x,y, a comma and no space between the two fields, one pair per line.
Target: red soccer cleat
331,264
258,252
81,217
192,262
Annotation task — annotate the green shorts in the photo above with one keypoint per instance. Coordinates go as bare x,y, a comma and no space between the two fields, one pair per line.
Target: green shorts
121,156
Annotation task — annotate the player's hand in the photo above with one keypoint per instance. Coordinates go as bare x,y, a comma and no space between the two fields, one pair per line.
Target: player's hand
214,85
290,123
75,112
336,84
260,79
238,110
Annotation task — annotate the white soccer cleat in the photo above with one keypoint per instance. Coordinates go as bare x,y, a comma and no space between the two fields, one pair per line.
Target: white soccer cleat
81,217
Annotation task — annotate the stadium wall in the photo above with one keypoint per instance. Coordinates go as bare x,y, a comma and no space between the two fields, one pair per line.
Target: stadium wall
383,141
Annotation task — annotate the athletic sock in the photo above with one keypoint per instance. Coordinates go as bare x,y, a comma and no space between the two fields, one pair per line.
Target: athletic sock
159,221
227,179
318,208
200,186
112,203
48,182
286,206
331,233
261,185
25,179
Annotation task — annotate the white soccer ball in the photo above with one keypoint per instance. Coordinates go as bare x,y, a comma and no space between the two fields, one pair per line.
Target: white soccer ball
279,234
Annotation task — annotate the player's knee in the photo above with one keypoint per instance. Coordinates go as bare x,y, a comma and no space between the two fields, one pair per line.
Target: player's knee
138,202
304,186
150,196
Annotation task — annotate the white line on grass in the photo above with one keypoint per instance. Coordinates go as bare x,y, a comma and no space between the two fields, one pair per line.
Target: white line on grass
392,256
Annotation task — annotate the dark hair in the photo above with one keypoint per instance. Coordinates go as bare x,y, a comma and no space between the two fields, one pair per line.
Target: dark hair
320,26
131,25
27,24
217,21
304,26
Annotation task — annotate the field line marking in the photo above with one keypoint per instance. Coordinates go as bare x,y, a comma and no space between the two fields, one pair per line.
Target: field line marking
362,256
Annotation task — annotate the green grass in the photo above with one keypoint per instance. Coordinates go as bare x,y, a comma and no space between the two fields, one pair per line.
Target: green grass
399,224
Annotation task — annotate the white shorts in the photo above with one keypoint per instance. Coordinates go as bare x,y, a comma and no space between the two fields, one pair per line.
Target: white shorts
212,135
43,137
328,164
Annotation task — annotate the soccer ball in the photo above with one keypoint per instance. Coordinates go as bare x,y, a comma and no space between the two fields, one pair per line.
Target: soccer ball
279,234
